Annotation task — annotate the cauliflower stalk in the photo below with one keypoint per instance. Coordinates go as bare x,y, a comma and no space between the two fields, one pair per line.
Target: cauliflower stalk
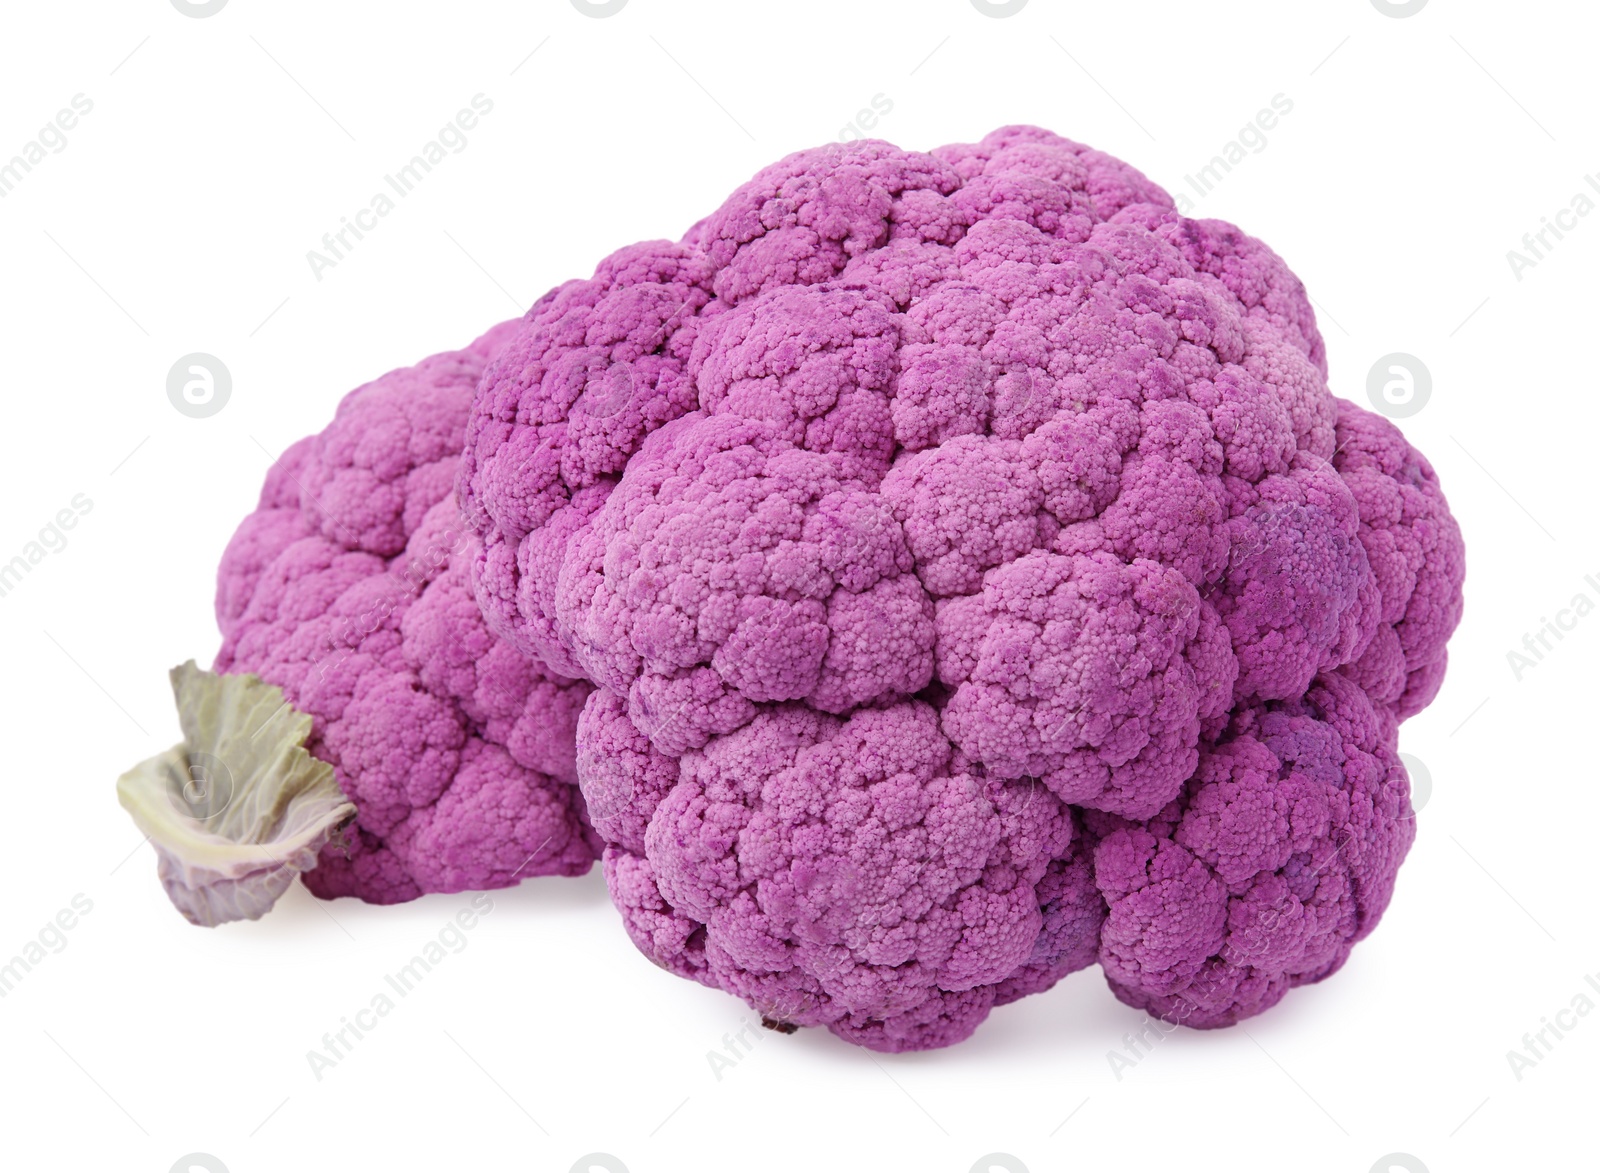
238,808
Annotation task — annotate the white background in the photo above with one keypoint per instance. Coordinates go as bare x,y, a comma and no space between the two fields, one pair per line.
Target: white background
177,219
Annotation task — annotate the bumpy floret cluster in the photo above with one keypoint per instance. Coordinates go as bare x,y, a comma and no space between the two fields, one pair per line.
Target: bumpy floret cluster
979,580
348,588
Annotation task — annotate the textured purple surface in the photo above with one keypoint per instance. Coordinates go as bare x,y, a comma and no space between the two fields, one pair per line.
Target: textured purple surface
349,589
980,579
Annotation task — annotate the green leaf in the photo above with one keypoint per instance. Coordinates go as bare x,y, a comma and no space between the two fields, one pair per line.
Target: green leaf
238,808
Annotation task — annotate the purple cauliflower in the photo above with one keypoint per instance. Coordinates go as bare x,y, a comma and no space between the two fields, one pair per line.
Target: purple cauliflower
980,580
348,592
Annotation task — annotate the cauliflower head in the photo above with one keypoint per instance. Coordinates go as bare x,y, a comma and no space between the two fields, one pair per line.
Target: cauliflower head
348,590
979,580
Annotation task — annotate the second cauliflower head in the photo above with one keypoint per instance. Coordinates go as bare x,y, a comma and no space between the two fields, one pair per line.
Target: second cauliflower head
980,581
348,587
